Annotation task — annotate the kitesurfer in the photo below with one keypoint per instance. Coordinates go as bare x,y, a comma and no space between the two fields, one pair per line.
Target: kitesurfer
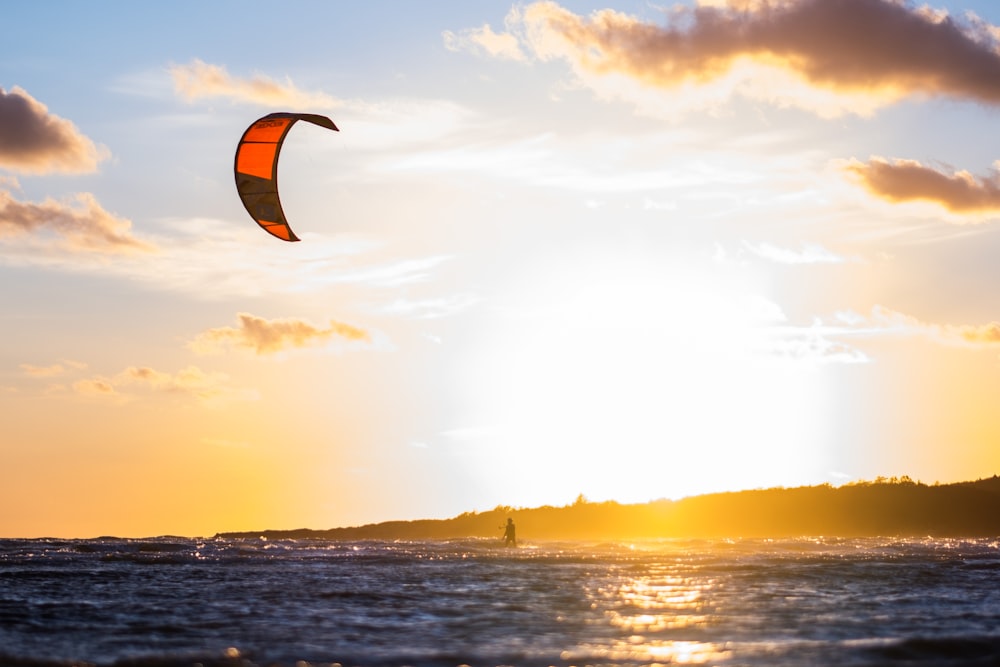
509,537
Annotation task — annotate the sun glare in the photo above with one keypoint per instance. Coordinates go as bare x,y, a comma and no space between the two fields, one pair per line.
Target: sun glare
628,379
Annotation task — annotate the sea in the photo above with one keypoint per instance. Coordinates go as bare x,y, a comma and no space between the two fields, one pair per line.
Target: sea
220,602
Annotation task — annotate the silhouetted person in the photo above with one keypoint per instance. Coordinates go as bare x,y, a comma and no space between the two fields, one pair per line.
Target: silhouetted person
509,534
509,538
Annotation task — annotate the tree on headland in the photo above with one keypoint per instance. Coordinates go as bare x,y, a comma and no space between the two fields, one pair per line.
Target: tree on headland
896,506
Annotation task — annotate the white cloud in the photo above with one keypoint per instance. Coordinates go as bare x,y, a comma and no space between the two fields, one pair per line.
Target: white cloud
498,45
430,308
199,79
806,254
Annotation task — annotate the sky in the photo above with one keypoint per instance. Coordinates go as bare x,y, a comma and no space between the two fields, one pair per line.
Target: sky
631,251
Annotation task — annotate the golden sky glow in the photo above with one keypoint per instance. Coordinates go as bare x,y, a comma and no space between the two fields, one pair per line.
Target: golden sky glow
621,250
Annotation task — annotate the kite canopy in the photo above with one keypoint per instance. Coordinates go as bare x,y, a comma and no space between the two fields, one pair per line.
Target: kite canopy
257,168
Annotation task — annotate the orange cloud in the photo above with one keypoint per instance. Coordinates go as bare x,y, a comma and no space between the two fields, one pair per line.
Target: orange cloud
199,79
32,140
188,382
265,336
86,227
984,335
94,387
908,180
52,370
877,48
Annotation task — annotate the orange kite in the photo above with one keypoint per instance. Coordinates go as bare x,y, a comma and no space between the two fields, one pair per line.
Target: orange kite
257,168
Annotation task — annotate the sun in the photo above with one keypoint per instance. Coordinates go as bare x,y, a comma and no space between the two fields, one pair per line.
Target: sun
630,378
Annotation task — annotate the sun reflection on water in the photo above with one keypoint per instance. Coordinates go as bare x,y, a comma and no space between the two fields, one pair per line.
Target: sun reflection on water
652,652
659,615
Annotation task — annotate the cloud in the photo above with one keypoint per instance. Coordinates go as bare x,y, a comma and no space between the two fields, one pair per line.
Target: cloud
884,320
52,370
830,56
909,180
199,80
34,141
812,346
499,45
395,274
94,387
191,382
43,371
431,308
85,227
209,388
824,342
984,334
188,250
808,254
264,336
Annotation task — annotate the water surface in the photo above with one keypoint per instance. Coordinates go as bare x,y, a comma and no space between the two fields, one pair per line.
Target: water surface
175,601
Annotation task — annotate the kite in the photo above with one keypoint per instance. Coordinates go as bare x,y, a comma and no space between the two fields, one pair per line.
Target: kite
257,168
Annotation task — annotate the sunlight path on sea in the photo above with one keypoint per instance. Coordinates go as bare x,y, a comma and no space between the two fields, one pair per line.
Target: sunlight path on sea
655,610
769,602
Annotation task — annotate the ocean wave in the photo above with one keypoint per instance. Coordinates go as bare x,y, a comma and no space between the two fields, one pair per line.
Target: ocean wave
170,601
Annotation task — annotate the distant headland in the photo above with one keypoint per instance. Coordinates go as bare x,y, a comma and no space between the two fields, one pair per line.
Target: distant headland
884,507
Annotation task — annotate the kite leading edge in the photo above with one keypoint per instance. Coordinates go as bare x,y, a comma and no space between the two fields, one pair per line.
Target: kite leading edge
256,168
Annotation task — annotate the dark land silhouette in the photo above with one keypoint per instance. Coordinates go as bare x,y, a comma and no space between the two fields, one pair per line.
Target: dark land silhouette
886,507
